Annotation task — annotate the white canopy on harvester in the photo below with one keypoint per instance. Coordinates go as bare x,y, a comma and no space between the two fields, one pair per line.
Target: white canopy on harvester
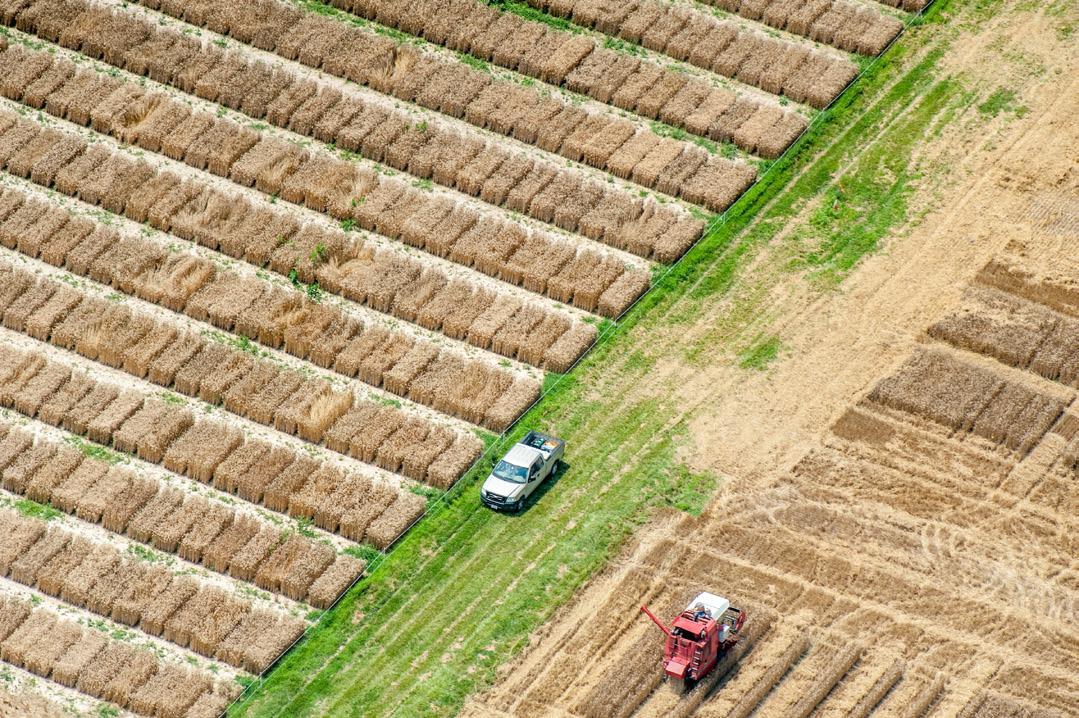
715,605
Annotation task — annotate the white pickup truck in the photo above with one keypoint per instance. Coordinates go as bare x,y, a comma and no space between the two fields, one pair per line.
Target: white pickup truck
521,471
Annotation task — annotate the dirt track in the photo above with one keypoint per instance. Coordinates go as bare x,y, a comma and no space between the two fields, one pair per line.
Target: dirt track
900,517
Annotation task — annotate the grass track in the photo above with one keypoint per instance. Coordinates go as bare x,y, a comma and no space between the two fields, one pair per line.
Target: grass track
462,592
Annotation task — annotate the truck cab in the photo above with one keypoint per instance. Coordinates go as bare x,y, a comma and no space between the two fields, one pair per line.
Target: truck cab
520,472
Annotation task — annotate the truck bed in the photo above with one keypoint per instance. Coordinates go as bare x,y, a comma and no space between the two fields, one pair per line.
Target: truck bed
546,445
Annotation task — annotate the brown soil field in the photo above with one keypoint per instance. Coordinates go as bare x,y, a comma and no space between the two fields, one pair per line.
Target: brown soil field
898,511
273,274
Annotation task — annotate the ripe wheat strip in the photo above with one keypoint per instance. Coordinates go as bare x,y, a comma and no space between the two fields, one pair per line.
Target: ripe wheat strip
966,398
171,520
583,64
721,45
1056,291
280,476
100,578
237,223
846,25
914,697
438,81
1016,331
898,440
823,682
876,693
48,640
625,684
384,133
251,383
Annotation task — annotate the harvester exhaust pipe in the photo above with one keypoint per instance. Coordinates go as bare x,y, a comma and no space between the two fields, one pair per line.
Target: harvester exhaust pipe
656,621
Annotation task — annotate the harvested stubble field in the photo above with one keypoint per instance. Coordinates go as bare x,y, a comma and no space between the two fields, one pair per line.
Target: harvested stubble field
938,508
272,273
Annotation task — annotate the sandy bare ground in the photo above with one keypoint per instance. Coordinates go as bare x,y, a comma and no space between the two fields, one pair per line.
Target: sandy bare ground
895,565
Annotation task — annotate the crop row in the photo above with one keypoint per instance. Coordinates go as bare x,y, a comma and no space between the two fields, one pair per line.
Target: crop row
638,85
908,5
101,579
207,450
56,647
962,396
531,114
1017,332
385,133
407,365
268,234
220,373
148,510
680,30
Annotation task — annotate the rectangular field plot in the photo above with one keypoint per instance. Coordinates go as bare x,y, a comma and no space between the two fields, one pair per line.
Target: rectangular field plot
273,275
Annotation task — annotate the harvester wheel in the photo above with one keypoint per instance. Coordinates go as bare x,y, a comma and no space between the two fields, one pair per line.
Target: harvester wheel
678,686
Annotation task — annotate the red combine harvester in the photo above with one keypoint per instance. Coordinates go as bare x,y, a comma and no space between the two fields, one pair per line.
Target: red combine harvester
708,627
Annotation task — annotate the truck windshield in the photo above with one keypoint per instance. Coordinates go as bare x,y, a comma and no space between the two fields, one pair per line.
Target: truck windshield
508,472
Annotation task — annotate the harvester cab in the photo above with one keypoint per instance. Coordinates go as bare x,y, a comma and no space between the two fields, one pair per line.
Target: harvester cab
698,637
